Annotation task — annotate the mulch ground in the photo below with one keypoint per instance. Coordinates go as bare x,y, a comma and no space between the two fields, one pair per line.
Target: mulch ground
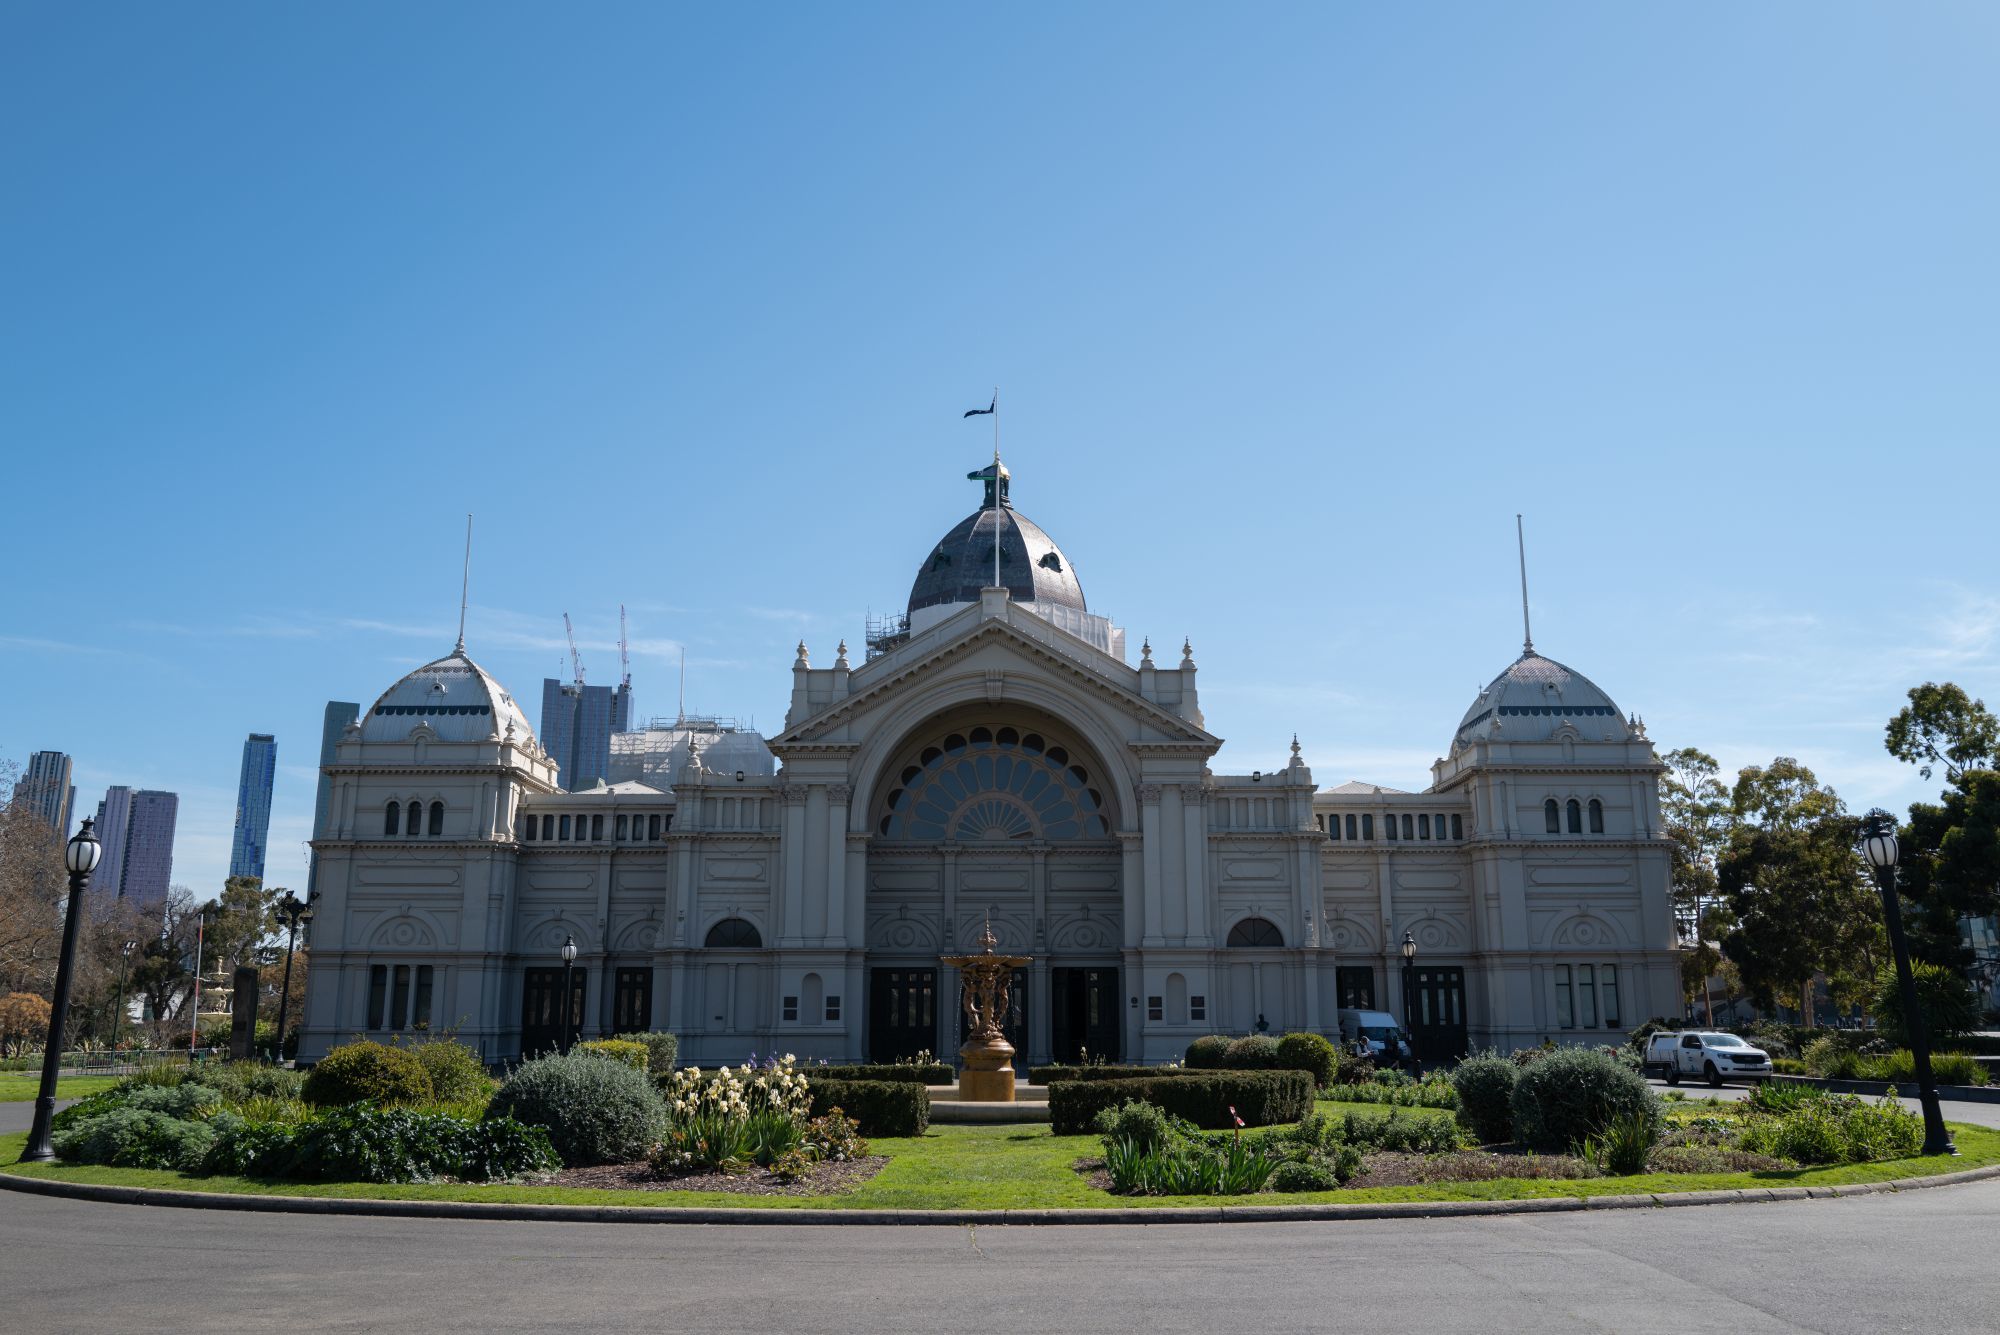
826,1179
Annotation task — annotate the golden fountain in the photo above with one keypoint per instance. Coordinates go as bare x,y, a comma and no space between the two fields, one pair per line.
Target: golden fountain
986,982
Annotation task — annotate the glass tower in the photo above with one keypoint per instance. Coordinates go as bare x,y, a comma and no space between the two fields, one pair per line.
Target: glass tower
253,805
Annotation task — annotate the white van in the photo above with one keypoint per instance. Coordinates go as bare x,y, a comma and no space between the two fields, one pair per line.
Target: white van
1387,1042
1706,1055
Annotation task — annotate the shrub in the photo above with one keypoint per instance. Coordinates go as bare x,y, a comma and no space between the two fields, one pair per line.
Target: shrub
457,1075
189,1102
1227,1166
1485,1086
835,1138
632,1054
1884,1130
1947,1002
595,1111
1772,1097
244,1148
1312,1053
1573,1095
1048,1075
135,1138
1141,1123
878,1107
1206,1052
364,1144
909,1073
1304,1175
1435,1090
103,1101
661,1050
1252,1052
1259,1098
1948,1068
1831,1057
1626,1144
367,1072
240,1081
1397,1133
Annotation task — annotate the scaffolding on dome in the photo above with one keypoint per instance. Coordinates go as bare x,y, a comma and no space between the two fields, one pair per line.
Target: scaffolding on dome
657,754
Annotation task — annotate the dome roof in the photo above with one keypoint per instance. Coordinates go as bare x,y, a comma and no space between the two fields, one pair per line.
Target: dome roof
1534,697
1032,568
455,696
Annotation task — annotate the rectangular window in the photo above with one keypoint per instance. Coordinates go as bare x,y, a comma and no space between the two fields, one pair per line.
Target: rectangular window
597,827
562,828
632,1001
1368,827
1586,997
618,829
528,827
790,1009
1423,827
1198,1005
378,990
420,1018
1333,827
833,1008
1350,827
399,998
1408,832
548,827
1565,1018
1355,984
653,827
1607,988
1457,827
1156,1008
1389,826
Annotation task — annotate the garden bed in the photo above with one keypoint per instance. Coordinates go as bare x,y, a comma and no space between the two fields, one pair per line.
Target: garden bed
823,1179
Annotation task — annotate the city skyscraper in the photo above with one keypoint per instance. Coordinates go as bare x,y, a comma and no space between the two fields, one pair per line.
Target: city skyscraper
114,823
577,723
149,846
339,713
48,789
253,805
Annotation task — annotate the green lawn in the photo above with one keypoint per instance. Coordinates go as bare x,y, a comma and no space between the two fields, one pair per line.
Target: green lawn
19,1088
1026,1168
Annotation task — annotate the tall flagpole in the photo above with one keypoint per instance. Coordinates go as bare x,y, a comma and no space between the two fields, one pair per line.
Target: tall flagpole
996,487
1521,545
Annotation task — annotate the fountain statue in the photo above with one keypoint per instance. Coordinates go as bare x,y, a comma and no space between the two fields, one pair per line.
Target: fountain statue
986,984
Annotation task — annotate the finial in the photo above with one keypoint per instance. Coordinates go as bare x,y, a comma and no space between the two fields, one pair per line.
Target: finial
1295,748
986,938
1521,544
1146,652
1187,653
840,655
801,660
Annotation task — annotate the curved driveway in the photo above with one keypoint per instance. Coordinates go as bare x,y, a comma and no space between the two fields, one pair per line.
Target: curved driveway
1917,1260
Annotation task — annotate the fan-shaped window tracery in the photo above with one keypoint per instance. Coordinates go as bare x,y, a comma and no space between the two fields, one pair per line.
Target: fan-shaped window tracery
994,784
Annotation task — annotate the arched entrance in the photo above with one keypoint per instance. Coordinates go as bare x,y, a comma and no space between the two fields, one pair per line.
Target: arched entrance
995,814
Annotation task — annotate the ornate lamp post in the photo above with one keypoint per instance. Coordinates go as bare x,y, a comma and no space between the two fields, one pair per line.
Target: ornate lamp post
80,857
568,997
1879,844
1409,949
294,911
118,1015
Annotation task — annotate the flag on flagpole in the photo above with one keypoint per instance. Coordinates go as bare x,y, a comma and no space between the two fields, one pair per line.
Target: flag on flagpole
981,412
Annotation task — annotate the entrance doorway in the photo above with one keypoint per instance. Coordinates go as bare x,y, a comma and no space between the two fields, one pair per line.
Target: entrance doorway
541,1009
902,1013
1085,1020
1437,1014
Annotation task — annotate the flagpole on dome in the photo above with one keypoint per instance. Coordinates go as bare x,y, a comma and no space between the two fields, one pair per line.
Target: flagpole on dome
996,486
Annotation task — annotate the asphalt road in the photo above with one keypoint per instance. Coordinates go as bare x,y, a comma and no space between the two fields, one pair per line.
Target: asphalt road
1915,1261
1978,1114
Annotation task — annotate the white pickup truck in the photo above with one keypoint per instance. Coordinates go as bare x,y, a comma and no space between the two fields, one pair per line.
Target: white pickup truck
1705,1055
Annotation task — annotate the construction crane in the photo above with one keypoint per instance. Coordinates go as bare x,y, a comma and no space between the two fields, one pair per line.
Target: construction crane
624,650
575,658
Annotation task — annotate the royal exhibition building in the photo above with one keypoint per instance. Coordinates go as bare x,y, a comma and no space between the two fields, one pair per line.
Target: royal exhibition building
994,756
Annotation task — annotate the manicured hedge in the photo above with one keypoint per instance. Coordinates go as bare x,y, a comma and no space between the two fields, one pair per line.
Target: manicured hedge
1048,1075
936,1073
1261,1098
881,1107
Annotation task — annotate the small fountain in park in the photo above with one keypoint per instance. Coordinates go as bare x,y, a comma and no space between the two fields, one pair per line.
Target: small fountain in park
986,982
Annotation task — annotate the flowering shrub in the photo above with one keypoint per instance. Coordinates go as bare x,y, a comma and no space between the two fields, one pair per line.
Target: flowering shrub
595,1111
739,1116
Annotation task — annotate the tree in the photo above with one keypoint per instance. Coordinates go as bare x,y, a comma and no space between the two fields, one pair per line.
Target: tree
24,1020
239,921
1795,885
1943,726
1950,866
1695,807
163,968
1949,1008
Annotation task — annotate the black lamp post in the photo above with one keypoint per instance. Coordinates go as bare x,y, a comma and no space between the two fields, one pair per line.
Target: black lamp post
568,997
80,856
294,911
1409,949
118,1015
1879,843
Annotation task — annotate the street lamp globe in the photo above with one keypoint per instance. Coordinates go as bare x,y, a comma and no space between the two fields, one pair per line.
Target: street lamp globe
80,855
568,949
1880,846
1409,947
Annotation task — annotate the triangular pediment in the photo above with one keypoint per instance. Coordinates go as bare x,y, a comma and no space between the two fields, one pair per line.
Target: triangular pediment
1039,647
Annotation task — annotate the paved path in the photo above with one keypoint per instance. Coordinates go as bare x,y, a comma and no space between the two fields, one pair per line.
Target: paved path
1914,1261
20,1114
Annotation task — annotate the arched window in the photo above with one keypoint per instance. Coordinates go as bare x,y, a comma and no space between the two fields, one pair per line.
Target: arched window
1575,817
414,821
733,934
1177,998
994,784
1551,818
437,819
392,818
1257,933
1596,816
811,993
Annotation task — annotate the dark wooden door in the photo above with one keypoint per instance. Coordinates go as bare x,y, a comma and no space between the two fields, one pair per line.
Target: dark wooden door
1437,1013
541,1009
902,1013
1085,1020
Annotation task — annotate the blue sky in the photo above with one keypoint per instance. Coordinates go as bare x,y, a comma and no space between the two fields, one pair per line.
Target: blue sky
1291,307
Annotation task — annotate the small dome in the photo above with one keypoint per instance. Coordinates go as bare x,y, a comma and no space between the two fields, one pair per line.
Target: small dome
1032,568
1534,697
455,696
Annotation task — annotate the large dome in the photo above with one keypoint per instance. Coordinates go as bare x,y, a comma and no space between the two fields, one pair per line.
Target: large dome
1534,697
1032,568
455,696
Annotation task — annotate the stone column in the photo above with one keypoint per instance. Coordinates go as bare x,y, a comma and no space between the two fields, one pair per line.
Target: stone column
790,906
1151,882
829,916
